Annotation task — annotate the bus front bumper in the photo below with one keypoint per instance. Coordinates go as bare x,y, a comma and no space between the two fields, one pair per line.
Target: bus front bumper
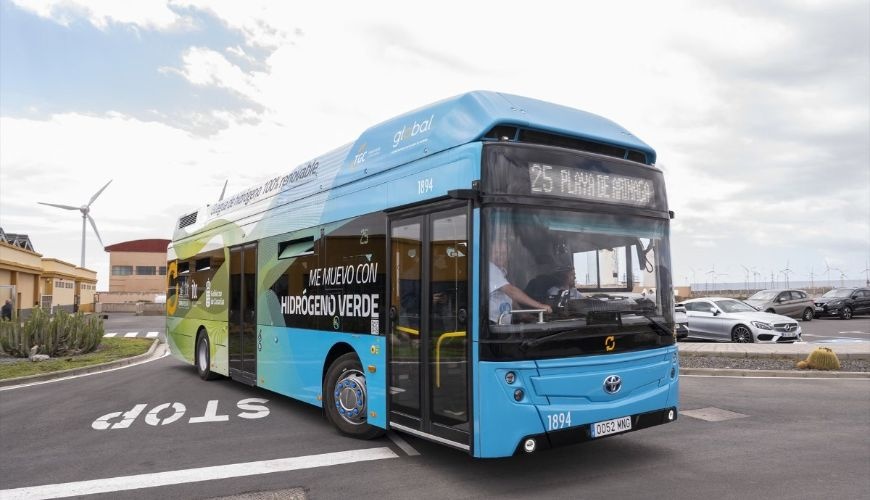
587,432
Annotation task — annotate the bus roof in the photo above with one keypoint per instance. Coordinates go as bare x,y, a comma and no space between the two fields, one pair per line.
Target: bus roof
446,124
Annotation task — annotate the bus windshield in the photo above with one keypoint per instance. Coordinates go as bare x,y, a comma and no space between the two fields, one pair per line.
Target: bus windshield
597,272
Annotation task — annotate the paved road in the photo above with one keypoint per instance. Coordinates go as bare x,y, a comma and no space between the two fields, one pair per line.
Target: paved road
833,330
130,325
747,438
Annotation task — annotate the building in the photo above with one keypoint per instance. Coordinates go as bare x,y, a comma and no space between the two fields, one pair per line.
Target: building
30,279
137,271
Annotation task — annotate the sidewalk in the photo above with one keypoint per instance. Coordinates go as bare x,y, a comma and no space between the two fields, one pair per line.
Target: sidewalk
157,350
800,350
796,351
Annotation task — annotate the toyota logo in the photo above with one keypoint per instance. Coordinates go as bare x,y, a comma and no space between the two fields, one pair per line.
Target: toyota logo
612,384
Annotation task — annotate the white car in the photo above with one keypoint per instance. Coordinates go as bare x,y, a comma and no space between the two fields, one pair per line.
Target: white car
726,319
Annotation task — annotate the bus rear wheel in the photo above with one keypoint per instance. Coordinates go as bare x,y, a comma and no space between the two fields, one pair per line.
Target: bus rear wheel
346,399
203,357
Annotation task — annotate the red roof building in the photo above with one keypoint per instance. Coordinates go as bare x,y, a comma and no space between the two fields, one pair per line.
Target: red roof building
138,266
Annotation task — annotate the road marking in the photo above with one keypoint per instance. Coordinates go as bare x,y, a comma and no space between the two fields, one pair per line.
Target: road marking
712,414
131,334
125,483
151,335
110,334
401,443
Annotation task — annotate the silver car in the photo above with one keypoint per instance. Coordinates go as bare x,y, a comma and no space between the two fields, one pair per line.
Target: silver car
793,303
722,318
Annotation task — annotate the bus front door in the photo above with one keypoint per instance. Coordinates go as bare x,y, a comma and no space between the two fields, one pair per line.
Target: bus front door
243,314
428,322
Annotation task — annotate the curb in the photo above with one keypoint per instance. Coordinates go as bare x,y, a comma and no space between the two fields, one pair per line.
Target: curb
734,372
773,355
83,370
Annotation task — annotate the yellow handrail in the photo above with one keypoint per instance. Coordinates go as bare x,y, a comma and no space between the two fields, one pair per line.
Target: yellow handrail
409,331
441,338
438,353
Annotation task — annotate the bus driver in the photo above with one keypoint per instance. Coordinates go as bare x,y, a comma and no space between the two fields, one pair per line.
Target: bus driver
501,293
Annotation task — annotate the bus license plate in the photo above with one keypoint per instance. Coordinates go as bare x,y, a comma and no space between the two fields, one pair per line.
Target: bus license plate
611,426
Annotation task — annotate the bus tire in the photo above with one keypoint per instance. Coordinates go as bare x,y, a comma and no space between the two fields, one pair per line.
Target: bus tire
203,357
345,399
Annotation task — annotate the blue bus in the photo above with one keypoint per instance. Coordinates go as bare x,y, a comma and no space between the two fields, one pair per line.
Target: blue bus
490,272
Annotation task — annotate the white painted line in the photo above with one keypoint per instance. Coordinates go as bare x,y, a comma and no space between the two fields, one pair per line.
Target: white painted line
110,334
152,335
125,483
131,334
402,444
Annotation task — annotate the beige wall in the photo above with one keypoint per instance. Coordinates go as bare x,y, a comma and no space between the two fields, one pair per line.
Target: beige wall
34,276
64,281
137,282
20,268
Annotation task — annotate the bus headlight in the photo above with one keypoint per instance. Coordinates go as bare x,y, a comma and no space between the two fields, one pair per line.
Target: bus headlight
510,377
518,395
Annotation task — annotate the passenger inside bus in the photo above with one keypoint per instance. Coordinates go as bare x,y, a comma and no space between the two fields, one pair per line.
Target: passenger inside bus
558,285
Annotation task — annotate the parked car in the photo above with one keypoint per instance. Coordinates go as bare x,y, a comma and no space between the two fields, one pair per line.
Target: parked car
726,319
843,302
792,303
682,321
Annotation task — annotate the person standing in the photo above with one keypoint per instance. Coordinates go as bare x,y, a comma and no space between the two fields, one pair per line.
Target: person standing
7,310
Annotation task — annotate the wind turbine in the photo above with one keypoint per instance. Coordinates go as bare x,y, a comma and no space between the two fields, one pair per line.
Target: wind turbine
746,277
86,217
828,273
866,274
786,272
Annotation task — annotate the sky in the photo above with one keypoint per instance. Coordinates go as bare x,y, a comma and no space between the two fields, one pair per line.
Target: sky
759,111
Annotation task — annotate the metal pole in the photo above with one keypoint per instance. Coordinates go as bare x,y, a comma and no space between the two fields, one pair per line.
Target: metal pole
84,221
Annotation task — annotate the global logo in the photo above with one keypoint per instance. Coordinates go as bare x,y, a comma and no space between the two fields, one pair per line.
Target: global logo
409,131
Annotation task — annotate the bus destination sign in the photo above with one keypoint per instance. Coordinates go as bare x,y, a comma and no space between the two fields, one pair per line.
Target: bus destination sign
572,182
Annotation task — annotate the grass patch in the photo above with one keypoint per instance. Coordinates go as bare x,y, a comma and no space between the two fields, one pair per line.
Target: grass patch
110,349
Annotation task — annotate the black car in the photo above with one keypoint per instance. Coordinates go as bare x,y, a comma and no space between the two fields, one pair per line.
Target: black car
843,302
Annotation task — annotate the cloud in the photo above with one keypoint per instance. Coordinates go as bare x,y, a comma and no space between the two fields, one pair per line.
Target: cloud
759,112
101,13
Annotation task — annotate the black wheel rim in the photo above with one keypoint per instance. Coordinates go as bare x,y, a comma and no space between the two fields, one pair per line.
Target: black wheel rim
742,335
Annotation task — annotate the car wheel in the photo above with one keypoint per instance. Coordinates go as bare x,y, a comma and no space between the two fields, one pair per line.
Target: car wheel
809,314
203,357
771,311
346,399
741,334
847,313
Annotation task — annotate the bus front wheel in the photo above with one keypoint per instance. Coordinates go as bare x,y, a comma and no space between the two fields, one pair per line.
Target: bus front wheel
346,399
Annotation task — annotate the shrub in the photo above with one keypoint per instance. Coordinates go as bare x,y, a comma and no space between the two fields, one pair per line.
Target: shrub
822,358
62,334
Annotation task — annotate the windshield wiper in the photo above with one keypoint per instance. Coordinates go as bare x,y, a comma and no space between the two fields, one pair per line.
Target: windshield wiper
526,343
661,328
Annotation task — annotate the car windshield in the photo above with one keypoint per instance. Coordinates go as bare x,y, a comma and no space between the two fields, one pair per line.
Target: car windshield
838,292
734,306
598,273
764,295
